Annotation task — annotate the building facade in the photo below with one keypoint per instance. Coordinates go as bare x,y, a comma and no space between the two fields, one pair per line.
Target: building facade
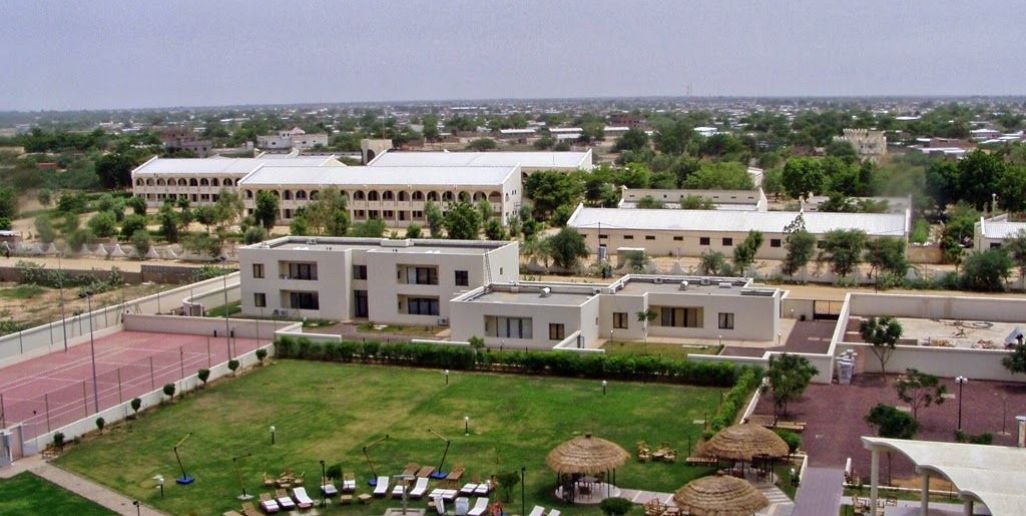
868,144
993,232
529,162
292,139
407,282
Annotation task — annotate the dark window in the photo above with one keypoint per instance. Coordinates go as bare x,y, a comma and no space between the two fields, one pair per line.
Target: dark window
621,320
649,237
304,300
302,271
259,300
462,278
360,306
557,331
422,306
678,239
258,270
703,241
628,237
728,241
775,242
359,272
603,236
726,321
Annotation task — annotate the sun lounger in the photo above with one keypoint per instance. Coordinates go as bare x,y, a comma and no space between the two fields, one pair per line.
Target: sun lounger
328,488
411,469
537,511
468,489
398,490
483,488
284,500
249,510
554,512
231,513
446,494
419,488
349,483
302,499
268,504
381,488
480,506
425,472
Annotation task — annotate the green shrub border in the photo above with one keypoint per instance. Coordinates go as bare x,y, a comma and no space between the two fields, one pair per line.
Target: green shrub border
742,379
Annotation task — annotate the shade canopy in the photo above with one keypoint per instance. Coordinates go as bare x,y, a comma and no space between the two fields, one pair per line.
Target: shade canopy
745,442
719,496
586,454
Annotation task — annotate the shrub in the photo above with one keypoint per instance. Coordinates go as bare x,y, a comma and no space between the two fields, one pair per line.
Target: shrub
203,375
334,470
616,506
169,390
233,365
58,440
261,354
136,404
100,423
793,440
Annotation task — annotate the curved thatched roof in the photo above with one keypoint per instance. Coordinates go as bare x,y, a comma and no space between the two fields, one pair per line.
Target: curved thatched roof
719,496
743,442
586,454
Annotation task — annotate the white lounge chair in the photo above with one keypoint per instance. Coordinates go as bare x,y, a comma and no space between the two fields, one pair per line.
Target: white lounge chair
439,504
329,489
381,488
480,506
419,488
468,489
268,504
483,489
554,512
302,499
349,485
285,501
537,511
398,490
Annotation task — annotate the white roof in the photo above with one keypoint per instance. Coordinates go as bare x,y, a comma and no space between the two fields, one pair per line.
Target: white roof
556,160
995,475
1001,229
731,221
220,166
339,176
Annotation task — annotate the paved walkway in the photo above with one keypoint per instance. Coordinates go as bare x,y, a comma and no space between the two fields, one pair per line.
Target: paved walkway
91,491
820,492
911,508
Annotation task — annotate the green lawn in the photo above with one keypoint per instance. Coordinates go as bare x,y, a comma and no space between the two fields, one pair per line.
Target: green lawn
658,349
331,411
26,494
233,309
22,292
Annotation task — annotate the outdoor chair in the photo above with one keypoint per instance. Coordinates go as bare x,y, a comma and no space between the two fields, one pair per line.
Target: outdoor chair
298,479
554,512
537,511
381,488
268,504
284,500
302,499
268,480
479,508
425,472
348,483
468,489
328,488
483,488
398,490
411,469
419,488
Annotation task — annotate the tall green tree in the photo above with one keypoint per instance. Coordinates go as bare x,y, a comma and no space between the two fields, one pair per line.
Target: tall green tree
843,248
979,174
919,390
266,209
328,215
8,203
566,248
891,422
712,263
986,271
44,229
887,254
435,219
789,375
463,222
803,177
744,253
103,224
115,169
883,334
1016,248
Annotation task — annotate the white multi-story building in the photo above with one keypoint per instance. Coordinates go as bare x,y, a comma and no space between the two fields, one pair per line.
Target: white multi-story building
395,195
528,162
200,180
377,280
295,139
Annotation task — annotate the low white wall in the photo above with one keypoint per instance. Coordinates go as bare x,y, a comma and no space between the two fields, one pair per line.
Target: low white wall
975,364
243,328
150,399
792,308
1004,309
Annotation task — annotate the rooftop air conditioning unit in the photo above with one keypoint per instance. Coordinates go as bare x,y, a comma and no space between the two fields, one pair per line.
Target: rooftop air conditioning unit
684,285
704,281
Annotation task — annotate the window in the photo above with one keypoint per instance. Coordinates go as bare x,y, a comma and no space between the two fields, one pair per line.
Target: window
360,305
258,270
418,275
621,320
649,237
678,239
727,241
304,300
628,237
557,331
301,271
359,272
703,241
259,300
508,327
422,306
726,321
680,317
462,278
603,236
774,242
995,245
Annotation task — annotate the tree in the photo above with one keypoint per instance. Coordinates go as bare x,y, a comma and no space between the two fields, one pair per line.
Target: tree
534,248
328,215
1015,245
919,390
435,219
484,209
978,177
141,242
102,224
463,222
44,229
712,263
803,177
551,189
887,254
8,203
206,215
261,354
616,506
373,228
100,423
254,235
788,375
136,405
645,317
883,333
566,248
633,140
233,365
986,271
1012,186
138,205
843,249
720,176
650,203
413,231
482,144
508,480
744,253
800,245
131,224
115,170
203,375
494,231
266,210
1016,361
229,208
169,390
44,196
168,223
891,422
697,202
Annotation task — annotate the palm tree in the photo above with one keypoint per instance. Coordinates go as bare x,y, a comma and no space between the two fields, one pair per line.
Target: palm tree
644,317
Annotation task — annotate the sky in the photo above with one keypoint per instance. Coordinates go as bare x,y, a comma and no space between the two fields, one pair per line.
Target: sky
102,54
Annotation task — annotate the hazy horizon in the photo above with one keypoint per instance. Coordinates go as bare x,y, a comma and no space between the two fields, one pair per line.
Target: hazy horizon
119,55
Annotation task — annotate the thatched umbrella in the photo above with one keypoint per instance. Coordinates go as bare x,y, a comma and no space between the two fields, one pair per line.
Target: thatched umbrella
719,495
584,455
745,442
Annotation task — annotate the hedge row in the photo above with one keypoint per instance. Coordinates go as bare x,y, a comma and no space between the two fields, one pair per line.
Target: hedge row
591,365
735,400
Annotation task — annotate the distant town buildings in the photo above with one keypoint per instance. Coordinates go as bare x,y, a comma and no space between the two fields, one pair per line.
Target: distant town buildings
185,139
292,139
868,144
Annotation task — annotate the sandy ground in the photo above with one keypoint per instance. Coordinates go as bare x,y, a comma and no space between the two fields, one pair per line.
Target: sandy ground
89,263
45,306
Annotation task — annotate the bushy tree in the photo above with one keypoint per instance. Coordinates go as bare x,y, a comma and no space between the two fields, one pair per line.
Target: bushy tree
254,235
887,254
566,248
482,144
103,224
44,229
115,169
712,263
266,210
138,205
697,202
463,222
744,253
883,333
168,223
373,228
413,231
633,140
789,376
720,176
919,390
803,177
891,422
1016,248
8,203
131,224
843,249
435,219
141,242
650,203
494,231
986,271
551,189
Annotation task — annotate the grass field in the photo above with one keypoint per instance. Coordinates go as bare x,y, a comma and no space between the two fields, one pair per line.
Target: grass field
26,494
331,411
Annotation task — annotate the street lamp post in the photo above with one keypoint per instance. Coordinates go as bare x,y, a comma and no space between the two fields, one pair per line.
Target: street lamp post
323,474
961,381
138,507
447,377
92,350
272,434
160,484
523,496
466,426
60,284
604,384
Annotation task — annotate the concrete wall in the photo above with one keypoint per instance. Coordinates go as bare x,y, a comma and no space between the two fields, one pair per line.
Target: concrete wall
753,198
243,328
792,308
975,364
622,303
1003,309
666,243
